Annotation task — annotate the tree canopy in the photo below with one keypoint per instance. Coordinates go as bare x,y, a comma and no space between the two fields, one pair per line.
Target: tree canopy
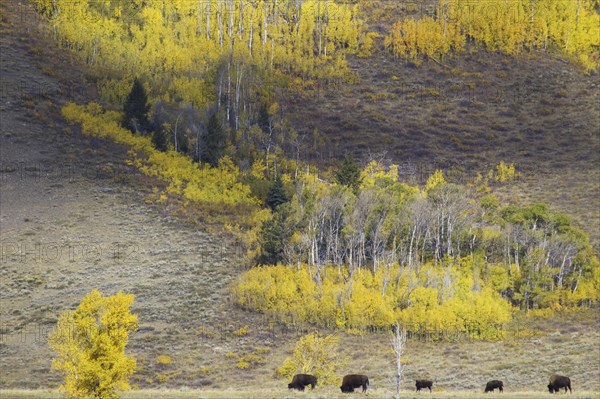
90,346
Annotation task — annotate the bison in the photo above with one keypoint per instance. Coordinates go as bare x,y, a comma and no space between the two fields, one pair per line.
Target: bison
351,381
422,384
493,384
557,382
302,380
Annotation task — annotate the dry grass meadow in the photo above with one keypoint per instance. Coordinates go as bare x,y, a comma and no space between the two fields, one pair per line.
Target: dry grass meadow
317,394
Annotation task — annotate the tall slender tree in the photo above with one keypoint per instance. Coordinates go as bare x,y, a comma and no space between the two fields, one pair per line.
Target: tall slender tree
135,109
274,238
214,142
158,139
398,345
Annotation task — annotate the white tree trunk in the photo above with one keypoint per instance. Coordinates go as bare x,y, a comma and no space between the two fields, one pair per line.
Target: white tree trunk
399,345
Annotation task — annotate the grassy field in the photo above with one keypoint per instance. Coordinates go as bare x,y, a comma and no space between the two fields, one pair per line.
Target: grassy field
329,393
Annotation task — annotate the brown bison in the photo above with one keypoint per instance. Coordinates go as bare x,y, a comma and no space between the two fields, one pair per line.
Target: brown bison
422,384
494,384
302,380
351,381
557,382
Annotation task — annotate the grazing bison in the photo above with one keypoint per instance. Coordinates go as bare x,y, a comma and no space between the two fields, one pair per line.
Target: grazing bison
557,382
351,381
302,380
422,384
493,384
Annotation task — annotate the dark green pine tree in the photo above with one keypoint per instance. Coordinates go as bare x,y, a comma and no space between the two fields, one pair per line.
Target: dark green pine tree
276,194
214,141
184,142
159,139
349,174
273,238
264,119
135,109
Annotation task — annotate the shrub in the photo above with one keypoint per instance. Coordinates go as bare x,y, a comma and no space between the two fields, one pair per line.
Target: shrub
248,360
163,360
317,355
242,331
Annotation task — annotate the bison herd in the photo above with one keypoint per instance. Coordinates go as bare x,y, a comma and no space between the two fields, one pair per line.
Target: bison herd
352,381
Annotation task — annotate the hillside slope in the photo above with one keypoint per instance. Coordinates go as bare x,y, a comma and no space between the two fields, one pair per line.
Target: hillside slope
73,217
465,116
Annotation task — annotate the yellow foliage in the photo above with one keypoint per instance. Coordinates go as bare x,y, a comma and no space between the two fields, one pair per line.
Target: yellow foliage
260,350
162,377
542,313
200,184
499,278
510,27
242,331
375,174
505,173
426,37
317,355
248,360
250,235
183,40
436,179
367,307
291,296
90,346
163,359
367,44
258,170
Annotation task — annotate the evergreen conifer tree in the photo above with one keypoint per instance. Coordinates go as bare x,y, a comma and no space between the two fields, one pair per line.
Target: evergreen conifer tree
159,140
349,173
276,194
274,236
135,109
214,142
264,119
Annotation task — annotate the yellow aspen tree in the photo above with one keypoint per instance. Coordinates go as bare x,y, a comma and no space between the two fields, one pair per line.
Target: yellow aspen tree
90,345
